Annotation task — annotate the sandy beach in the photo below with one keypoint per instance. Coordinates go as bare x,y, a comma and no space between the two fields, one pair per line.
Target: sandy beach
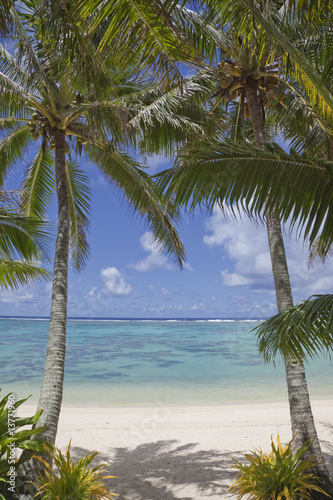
184,453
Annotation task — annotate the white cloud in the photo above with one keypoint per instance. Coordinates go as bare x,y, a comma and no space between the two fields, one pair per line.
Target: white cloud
114,282
198,307
233,279
13,296
155,259
165,291
247,246
92,295
188,267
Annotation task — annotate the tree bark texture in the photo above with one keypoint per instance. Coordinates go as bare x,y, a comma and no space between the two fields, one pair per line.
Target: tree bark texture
302,422
52,385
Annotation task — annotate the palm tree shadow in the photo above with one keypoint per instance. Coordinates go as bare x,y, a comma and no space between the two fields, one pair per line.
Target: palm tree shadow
165,470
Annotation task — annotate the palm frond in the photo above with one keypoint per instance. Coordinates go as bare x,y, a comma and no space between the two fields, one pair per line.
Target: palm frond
9,65
79,203
32,61
241,176
39,184
14,273
22,237
165,108
317,253
209,39
305,330
145,30
6,21
12,149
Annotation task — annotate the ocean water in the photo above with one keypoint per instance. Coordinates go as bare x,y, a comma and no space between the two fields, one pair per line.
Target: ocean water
150,363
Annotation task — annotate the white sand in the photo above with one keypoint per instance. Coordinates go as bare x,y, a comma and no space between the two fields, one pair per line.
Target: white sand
183,453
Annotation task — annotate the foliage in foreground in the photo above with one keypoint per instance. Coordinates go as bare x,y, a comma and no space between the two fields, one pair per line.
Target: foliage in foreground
11,437
72,480
281,474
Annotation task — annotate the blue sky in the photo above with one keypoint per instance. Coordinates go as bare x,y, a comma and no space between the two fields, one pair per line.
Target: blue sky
227,273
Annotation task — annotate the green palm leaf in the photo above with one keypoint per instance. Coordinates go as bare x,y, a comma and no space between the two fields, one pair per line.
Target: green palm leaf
5,17
39,185
22,237
12,149
142,29
14,273
79,201
241,176
305,330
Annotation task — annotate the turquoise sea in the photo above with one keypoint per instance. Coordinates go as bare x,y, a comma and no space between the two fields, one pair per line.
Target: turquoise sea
151,362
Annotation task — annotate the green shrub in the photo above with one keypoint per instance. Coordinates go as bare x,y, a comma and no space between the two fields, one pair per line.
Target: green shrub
11,437
281,474
72,481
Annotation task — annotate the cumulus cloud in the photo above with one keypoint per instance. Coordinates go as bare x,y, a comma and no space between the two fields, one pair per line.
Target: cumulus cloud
155,260
114,282
246,246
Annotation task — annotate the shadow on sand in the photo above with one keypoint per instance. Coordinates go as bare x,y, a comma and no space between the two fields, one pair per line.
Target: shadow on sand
166,471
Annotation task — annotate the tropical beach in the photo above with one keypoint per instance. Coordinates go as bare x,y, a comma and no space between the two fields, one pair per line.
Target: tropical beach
173,402
166,453
193,354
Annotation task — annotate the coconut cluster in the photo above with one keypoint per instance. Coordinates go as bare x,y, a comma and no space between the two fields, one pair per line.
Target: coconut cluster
39,127
232,81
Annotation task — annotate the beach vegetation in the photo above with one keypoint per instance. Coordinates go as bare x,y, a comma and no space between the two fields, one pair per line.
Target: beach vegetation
282,474
14,434
70,479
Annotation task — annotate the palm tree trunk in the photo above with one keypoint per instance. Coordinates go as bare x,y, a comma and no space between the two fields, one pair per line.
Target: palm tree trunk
302,422
52,387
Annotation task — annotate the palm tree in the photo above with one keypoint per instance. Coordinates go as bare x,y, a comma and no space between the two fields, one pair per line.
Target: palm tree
248,73
50,107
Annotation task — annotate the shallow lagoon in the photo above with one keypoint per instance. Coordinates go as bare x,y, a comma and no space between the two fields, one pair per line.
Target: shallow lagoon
143,363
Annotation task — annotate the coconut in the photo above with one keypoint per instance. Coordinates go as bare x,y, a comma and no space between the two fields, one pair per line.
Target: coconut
225,82
236,71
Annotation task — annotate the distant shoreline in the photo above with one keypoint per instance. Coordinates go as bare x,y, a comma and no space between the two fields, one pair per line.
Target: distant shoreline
222,320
